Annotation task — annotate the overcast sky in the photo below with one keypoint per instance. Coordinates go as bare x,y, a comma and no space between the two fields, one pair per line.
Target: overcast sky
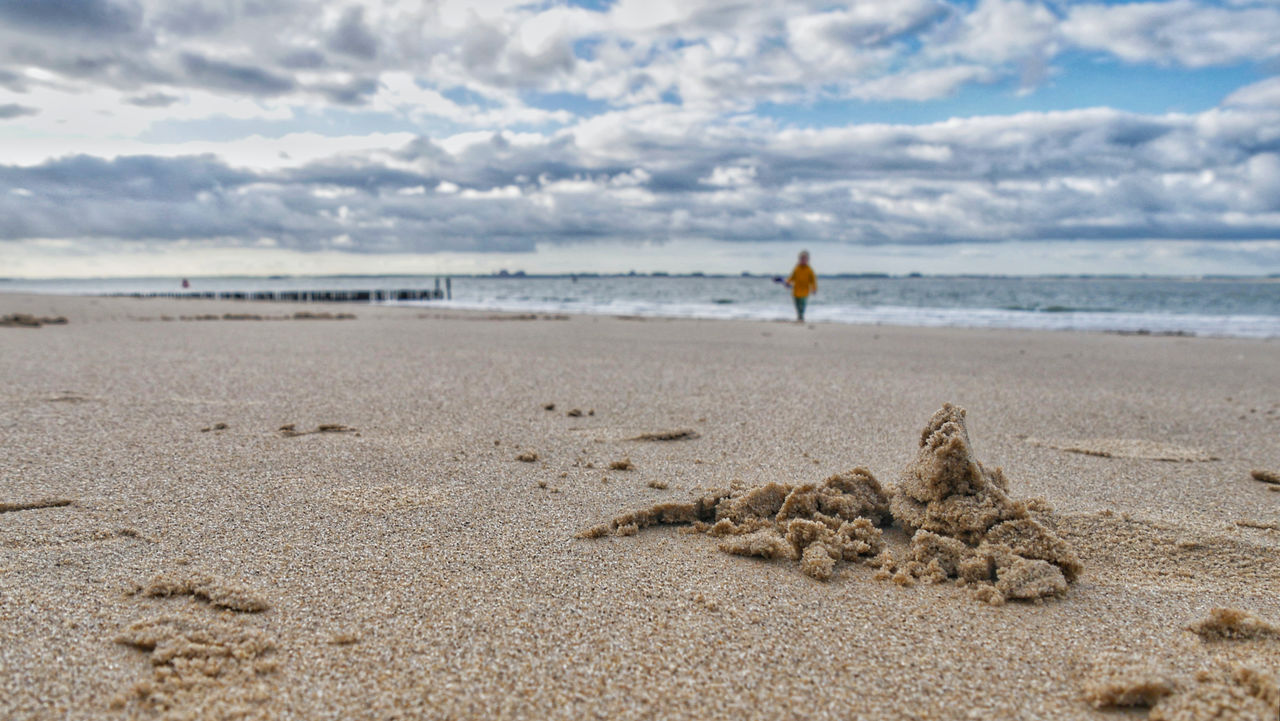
181,137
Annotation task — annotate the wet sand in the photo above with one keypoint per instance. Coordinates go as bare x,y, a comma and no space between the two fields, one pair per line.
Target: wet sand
358,538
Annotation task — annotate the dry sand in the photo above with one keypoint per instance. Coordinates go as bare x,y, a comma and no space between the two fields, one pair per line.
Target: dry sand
417,569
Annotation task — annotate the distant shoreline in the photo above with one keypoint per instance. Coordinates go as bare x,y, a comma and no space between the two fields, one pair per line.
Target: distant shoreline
535,276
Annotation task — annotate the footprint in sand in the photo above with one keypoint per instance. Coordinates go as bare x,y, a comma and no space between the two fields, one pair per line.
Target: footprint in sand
1233,690
1126,448
210,589
206,667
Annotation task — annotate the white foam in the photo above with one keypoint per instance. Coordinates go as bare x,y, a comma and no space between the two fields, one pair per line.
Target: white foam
1231,326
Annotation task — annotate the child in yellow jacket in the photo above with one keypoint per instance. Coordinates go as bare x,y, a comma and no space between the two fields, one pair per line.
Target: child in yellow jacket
802,283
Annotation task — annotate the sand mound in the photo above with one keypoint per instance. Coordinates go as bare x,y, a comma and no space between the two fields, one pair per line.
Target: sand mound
1264,476
1128,681
965,525
206,669
1126,448
680,434
818,524
1232,624
213,591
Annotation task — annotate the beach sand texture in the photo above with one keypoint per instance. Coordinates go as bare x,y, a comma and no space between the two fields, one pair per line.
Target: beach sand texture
404,563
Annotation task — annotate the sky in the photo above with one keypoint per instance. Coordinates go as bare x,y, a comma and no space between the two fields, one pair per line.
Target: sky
194,137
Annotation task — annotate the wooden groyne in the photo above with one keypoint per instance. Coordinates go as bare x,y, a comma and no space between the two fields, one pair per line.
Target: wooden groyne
303,296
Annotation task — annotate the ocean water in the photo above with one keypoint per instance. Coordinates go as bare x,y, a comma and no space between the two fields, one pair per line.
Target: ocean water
1246,308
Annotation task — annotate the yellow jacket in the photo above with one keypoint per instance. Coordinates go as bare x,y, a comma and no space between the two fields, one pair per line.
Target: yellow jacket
803,281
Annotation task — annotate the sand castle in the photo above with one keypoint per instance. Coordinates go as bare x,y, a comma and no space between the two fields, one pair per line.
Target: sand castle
965,525
962,522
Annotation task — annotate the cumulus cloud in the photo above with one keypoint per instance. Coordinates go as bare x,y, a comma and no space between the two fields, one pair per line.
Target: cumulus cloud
153,100
645,120
723,55
1262,93
1180,32
13,110
352,37
97,17
223,75
1092,174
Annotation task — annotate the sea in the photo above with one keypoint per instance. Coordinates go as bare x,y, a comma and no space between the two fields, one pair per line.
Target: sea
1222,307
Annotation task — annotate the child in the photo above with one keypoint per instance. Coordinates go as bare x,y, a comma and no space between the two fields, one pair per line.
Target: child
802,283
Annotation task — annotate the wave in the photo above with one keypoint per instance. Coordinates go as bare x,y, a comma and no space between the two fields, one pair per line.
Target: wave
1146,323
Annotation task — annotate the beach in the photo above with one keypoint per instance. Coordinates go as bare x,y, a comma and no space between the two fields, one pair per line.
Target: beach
168,551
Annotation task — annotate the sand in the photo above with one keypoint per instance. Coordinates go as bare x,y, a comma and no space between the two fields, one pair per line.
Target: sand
415,569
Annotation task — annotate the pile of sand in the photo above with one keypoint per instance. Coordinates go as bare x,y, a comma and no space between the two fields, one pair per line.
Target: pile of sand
817,524
1265,476
964,524
1233,624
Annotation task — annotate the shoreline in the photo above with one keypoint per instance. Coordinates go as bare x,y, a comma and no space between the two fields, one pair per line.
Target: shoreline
882,317
404,561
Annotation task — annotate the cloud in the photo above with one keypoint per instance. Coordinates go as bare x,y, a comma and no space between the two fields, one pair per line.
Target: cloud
1001,31
226,123
354,91
352,37
1179,32
97,17
12,81
153,100
1090,174
13,110
1262,93
222,75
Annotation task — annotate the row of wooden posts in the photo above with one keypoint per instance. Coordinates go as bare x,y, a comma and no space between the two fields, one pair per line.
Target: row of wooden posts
310,296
